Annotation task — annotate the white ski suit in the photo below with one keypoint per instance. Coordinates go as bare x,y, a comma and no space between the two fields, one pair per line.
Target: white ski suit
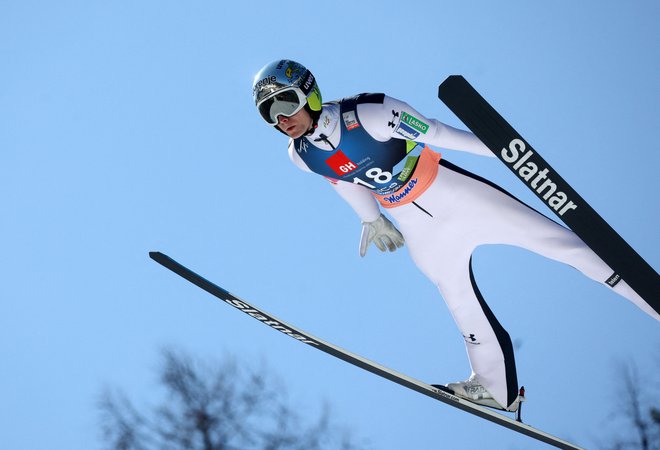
365,146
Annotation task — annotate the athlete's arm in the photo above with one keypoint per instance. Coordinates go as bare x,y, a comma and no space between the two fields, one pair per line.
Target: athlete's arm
363,203
358,197
396,119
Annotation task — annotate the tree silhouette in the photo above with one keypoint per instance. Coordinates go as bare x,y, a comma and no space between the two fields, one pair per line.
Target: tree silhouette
640,421
228,407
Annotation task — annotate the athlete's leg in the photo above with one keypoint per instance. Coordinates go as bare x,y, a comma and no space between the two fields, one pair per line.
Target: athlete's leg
434,231
508,221
487,343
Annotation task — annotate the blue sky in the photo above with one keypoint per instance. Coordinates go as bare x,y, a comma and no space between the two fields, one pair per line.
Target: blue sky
128,126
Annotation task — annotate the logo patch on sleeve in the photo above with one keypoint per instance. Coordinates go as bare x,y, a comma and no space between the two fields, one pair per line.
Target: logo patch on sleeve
406,131
407,126
340,163
414,122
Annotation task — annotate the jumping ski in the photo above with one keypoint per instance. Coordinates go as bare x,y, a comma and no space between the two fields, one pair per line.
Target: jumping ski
523,160
356,360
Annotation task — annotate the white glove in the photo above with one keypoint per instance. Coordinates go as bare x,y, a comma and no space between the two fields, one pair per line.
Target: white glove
382,233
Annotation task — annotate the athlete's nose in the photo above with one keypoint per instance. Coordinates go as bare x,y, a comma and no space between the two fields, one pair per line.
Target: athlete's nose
282,119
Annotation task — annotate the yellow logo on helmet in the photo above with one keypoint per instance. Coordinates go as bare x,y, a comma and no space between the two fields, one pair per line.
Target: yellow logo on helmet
292,71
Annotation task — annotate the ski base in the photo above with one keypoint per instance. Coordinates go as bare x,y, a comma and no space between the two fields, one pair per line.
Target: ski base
437,393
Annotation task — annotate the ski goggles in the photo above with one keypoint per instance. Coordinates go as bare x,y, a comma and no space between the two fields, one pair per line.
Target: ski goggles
285,103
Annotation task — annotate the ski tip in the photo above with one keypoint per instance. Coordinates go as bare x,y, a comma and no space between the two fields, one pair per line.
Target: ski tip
451,80
156,256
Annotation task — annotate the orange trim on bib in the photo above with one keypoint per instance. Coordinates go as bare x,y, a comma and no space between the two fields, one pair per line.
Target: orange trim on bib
418,183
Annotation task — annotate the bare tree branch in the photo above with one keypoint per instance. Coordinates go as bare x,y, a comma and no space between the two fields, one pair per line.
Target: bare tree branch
641,424
228,407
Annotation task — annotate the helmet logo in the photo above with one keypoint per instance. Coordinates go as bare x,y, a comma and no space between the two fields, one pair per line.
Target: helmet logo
308,82
292,71
268,80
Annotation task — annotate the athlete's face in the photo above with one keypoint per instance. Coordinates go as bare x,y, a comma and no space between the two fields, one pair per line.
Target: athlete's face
296,125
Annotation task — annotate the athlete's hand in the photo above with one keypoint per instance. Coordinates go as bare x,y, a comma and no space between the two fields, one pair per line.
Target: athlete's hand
382,233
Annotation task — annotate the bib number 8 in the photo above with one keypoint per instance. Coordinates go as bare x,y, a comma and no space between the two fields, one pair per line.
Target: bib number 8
378,175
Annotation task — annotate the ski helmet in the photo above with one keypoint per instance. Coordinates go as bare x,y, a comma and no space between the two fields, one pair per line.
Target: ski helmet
284,87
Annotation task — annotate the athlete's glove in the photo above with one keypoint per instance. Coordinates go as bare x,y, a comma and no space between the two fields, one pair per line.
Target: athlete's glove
382,233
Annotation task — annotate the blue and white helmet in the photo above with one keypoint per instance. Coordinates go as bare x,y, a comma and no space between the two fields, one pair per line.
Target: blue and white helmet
284,87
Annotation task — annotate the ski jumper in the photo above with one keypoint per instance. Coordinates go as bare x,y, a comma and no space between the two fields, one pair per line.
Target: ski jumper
372,149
